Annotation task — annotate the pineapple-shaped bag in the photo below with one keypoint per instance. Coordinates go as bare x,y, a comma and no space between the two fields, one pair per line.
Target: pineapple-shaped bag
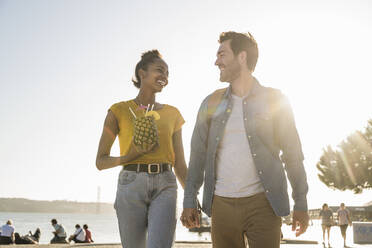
145,130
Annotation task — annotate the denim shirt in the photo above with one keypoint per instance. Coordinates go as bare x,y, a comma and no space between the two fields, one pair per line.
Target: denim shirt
273,139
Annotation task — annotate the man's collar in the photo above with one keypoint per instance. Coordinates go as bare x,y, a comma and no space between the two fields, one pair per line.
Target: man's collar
255,89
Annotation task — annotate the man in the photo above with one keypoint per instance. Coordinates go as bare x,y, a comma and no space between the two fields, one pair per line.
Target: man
7,233
88,234
235,147
59,233
78,236
344,220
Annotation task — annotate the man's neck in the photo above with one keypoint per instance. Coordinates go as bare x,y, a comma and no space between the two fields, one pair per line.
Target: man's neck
243,84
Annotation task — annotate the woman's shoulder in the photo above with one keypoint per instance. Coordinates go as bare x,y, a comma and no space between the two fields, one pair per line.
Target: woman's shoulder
170,108
122,105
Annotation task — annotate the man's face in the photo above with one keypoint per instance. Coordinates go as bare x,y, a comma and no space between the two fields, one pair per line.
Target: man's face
227,63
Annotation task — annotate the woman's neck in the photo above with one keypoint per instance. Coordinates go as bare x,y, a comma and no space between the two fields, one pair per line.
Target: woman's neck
145,99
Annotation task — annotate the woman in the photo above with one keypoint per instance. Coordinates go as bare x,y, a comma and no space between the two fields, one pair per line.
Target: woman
147,190
327,221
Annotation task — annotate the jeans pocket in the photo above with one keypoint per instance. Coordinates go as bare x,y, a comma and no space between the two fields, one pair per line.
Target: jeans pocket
169,177
127,177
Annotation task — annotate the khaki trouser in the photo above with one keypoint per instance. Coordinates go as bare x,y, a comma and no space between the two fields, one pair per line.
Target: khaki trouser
233,218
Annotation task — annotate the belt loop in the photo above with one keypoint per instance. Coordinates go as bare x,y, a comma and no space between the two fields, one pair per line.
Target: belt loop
138,168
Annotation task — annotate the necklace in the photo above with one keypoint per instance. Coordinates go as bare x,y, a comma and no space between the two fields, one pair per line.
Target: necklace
141,106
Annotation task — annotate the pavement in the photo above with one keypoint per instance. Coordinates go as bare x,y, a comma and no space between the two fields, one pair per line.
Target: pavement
184,244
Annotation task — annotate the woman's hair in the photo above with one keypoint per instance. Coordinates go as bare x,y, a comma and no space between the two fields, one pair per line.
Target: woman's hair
147,58
324,205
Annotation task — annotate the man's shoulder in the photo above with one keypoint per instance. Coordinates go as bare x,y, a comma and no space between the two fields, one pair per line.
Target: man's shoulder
271,90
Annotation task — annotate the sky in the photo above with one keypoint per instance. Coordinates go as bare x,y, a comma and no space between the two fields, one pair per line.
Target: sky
64,63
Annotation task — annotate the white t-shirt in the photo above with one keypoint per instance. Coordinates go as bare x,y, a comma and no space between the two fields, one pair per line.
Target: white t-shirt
236,174
80,234
7,230
343,216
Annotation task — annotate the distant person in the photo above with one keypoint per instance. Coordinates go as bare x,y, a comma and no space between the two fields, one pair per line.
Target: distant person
151,157
28,238
88,234
7,233
344,220
78,236
59,233
327,220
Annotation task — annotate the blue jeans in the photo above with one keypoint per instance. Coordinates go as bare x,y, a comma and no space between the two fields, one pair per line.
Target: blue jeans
146,209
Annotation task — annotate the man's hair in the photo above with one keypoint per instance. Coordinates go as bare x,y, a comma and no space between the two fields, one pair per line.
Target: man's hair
242,42
54,221
147,58
9,222
85,226
77,226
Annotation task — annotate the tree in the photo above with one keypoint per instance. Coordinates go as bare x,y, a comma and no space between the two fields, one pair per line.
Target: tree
349,166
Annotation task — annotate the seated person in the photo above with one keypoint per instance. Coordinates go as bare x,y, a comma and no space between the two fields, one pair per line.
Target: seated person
78,236
28,238
59,233
88,234
7,233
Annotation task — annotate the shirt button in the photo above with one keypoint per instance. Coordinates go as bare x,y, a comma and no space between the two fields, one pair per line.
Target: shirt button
249,136
260,172
245,119
245,102
267,191
223,121
254,154
217,138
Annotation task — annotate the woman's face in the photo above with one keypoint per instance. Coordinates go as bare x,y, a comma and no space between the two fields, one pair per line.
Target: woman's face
155,78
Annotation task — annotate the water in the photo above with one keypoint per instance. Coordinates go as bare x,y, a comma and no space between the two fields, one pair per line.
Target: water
104,227
105,230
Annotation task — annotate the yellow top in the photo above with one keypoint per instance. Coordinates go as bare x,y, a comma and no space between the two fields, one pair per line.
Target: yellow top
170,121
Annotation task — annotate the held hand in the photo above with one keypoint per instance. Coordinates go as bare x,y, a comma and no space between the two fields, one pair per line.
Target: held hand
190,218
300,222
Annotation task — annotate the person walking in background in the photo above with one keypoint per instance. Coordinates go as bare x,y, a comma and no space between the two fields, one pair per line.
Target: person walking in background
7,233
150,138
238,136
344,220
59,233
88,234
327,221
78,236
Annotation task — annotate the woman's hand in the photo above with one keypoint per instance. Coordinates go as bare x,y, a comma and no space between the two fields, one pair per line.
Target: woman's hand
137,151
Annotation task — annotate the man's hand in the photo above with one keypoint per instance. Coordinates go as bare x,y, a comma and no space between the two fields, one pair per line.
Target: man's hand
301,219
190,217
